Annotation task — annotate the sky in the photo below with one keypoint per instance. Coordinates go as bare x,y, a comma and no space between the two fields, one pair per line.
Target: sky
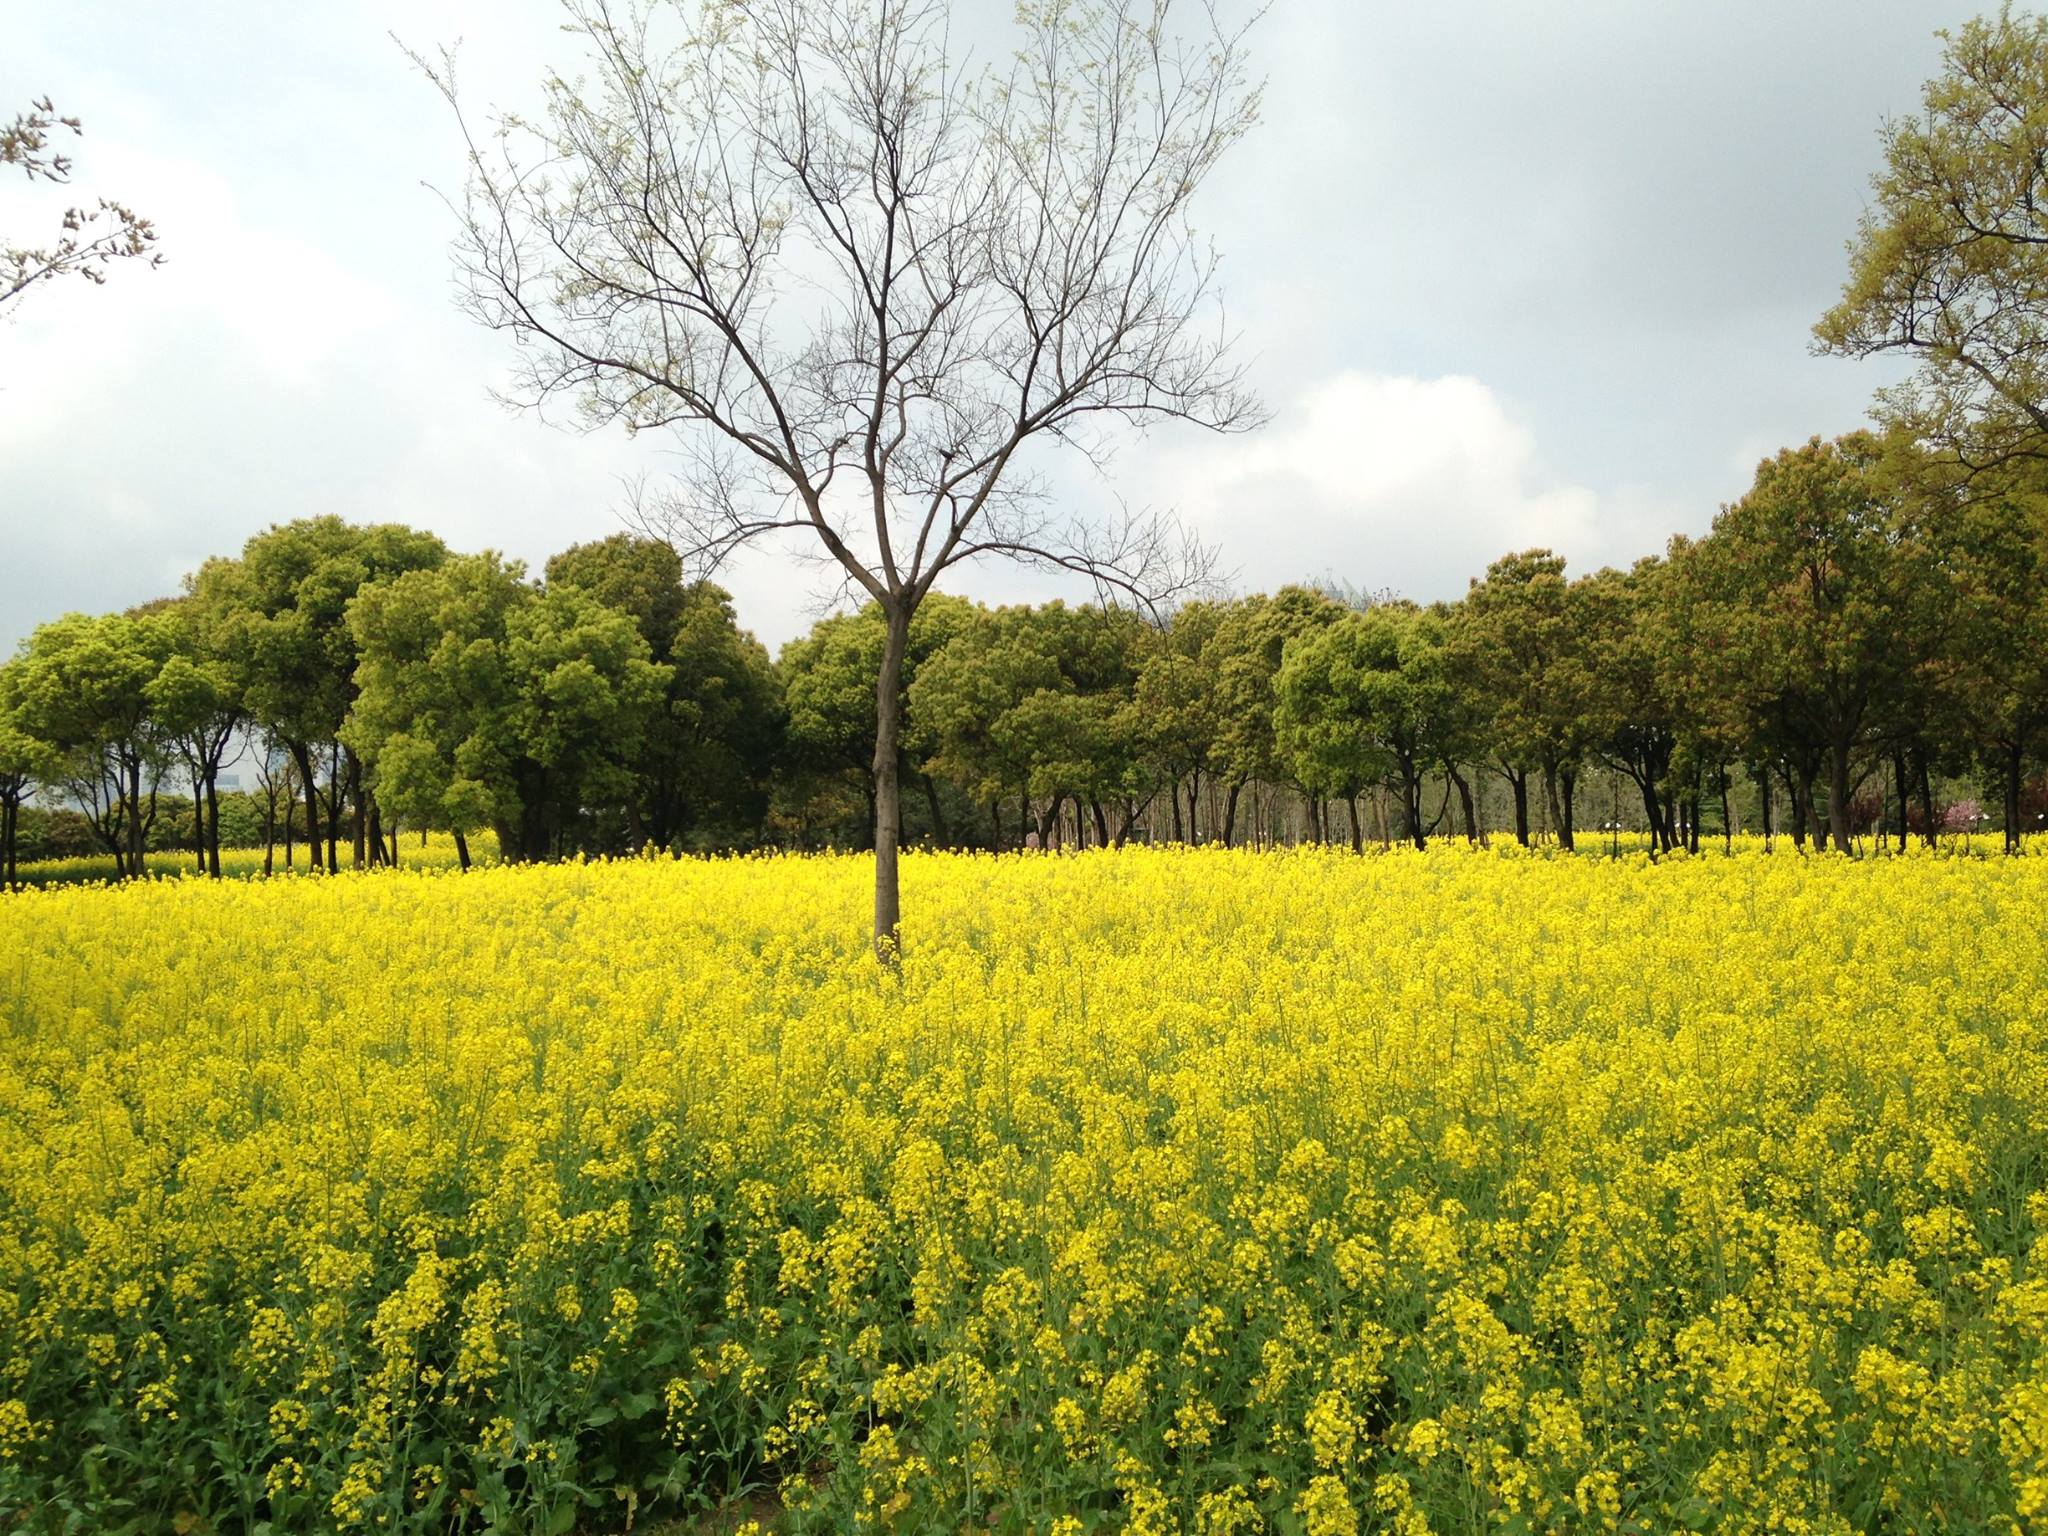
1504,274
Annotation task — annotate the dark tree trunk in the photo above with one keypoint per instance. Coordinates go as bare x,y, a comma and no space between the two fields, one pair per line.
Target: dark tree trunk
1173,795
373,838
1902,791
2014,774
1653,811
1838,794
1357,834
1465,805
888,933
199,821
137,832
1929,832
10,832
352,776
1727,818
1230,813
1518,782
213,823
995,824
1411,801
1567,832
462,850
931,800
1101,821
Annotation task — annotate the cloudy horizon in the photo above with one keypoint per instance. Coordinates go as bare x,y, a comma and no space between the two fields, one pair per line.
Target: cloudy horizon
1502,279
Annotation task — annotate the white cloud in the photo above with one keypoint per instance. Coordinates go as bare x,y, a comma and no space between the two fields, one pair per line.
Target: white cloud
1393,481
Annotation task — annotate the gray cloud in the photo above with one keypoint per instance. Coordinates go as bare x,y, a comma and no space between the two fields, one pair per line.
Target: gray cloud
1507,273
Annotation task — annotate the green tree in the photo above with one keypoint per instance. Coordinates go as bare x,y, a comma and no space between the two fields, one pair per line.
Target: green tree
282,615
1366,697
24,762
1991,541
1810,620
482,700
197,703
707,757
1243,658
1520,635
1633,722
82,693
1950,263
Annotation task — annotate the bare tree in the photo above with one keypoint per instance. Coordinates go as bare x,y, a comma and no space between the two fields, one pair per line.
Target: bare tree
863,278
92,239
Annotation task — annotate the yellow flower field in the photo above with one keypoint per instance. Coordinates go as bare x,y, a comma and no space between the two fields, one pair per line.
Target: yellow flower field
1160,1191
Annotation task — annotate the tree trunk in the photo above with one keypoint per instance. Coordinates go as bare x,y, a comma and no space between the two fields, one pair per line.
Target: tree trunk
462,850
313,862
1173,796
1411,803
1465,805
1357,834
372,837
888,933
1230,813
199,821
1727,820
2014,773
1101,821
136,831
213,823
1567,833
1838,794
1929,831
1902,791
335,791
1518,781
931,800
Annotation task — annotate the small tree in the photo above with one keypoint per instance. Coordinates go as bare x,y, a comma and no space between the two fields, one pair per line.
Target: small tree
93,239
864,281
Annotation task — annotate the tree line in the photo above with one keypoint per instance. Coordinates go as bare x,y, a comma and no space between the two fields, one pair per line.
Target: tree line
1864,621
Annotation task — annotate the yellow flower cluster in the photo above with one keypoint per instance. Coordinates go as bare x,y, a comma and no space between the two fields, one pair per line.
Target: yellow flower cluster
1159,1191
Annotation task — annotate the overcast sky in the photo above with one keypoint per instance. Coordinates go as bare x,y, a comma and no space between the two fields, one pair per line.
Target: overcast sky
1507,275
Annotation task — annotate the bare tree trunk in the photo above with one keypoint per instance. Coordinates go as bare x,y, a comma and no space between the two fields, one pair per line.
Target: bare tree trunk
931,800
1230,813
888,934
1357,833
1518,781
1929,831
462,850
1838,795
2014,773
213,825
1465,806
1903,790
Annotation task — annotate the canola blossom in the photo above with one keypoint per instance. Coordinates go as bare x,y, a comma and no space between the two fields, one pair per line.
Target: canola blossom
1158,1191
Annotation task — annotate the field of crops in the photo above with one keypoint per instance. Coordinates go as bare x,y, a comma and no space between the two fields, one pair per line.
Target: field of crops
1160,1191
